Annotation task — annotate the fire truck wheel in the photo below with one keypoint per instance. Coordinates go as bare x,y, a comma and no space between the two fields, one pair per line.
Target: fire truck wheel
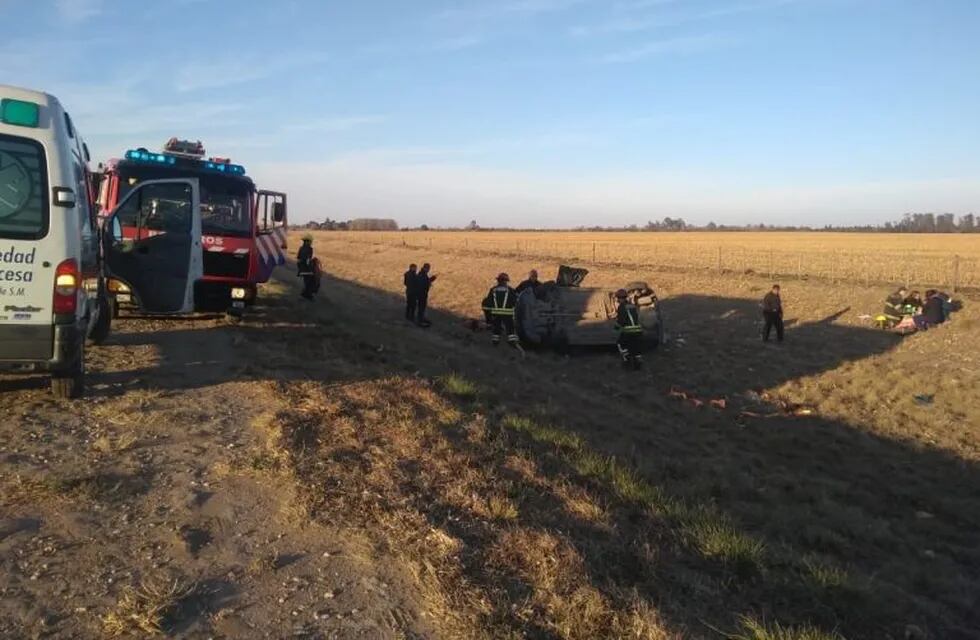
234,316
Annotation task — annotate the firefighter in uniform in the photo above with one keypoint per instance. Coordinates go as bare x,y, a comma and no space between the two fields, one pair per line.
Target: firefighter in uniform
499,306
630,341
305,268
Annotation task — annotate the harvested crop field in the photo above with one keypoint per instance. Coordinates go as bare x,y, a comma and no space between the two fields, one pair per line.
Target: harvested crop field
863,258
327,470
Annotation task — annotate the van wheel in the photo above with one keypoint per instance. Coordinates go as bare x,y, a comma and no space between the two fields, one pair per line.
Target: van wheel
70,383
101,329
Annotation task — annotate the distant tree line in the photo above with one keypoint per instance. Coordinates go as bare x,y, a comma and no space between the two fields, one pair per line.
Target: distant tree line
357,224
910,223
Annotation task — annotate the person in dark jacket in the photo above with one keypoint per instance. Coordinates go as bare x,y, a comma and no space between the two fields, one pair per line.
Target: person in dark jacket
499,306
531,283
423,282
305,268
630,341
772,313
411,297
894,306
932,311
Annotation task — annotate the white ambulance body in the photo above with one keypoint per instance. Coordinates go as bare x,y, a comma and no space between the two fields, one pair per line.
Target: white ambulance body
52,285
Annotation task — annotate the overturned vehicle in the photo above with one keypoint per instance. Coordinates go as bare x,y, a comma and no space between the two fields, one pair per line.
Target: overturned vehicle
562,313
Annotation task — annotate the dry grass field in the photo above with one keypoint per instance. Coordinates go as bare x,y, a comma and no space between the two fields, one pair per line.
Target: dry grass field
834,493
921,259
328,470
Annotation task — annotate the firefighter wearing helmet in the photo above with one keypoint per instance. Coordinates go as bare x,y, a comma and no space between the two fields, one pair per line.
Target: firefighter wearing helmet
630,342
499,308
306,267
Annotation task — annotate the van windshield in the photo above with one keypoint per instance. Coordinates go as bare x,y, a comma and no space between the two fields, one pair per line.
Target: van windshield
23,189
226,203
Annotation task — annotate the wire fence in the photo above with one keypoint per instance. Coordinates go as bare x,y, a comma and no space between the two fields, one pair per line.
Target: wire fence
868,266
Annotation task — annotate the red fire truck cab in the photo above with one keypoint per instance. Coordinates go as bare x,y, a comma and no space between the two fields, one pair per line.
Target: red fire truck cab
243,229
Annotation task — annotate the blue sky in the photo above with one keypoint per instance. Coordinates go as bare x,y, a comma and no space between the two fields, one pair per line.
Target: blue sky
535,112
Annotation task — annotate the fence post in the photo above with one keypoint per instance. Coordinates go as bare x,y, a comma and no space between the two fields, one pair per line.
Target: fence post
719,258
956,272
593,254
799,266
771,276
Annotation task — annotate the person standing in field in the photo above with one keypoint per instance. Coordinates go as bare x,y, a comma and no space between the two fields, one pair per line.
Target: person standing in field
423,282
630,341
499,306
411,295
305,267
772,312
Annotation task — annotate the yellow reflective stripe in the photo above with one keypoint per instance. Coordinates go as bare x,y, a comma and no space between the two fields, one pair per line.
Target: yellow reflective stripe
502,312
632,329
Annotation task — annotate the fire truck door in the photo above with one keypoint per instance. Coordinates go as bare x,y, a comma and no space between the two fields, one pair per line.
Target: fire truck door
271,208
161,263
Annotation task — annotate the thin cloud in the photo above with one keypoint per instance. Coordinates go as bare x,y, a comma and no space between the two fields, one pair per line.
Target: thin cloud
75,11
681,45
335,124
233,71
511,8
636,23
458,43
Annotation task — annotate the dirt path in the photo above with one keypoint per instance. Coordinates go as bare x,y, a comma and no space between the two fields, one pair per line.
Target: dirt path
155,503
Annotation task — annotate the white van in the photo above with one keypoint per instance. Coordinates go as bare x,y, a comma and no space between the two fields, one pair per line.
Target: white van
52,263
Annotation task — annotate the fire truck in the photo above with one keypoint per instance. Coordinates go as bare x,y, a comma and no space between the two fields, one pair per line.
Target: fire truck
243,229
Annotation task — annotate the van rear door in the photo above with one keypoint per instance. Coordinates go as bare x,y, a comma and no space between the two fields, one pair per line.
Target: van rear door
26,268
161,260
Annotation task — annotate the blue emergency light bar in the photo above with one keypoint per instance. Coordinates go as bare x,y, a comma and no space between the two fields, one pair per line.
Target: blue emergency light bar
146,156
141,155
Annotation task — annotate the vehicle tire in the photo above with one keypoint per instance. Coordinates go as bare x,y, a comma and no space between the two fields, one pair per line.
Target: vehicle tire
70,383
234,316
104,324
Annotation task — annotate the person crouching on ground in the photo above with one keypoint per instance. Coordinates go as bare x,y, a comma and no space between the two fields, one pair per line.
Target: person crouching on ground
894,308
932,311
531,283
499,306
772,313
630,341
305,268
411,297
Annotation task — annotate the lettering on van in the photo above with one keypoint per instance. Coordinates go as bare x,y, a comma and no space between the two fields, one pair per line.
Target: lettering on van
16,266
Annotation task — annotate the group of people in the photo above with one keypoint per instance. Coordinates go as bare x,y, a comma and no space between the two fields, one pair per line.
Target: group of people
903,309
909,310
417,285
500,307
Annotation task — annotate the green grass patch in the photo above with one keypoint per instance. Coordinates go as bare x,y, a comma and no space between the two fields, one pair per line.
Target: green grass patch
717,539
705,530
752,629
458,386
823,575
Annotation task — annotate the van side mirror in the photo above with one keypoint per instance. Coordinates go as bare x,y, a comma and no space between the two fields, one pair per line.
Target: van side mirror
278,211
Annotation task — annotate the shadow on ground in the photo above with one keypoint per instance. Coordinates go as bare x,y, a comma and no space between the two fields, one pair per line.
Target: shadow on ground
706,515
